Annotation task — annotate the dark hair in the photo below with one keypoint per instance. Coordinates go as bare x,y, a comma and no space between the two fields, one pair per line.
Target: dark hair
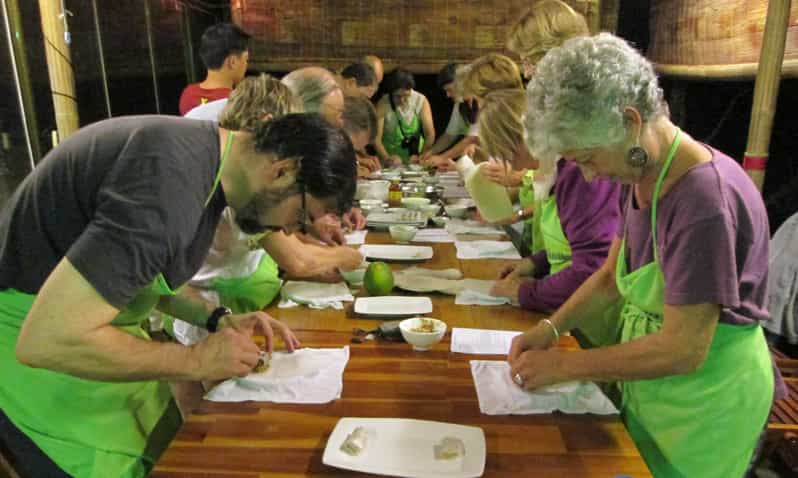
220,41
360,115
362,73
399,79
328,167
447,74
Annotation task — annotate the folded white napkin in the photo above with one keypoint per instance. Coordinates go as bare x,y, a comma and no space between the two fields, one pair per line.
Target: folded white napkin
486,250
482,341
433,235
305,376
470,226
499,395
477,292
356,237
316,295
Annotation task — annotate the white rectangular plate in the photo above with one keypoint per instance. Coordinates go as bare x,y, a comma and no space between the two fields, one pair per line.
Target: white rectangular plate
396,253
404,447
393,305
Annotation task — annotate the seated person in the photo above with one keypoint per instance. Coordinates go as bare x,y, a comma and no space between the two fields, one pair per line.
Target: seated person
359,79
404,121
459,134
225,53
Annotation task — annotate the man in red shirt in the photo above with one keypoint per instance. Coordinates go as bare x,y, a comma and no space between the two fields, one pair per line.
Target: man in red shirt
225,52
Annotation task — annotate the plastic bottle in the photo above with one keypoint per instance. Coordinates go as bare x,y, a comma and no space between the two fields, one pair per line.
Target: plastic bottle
491,198
395,194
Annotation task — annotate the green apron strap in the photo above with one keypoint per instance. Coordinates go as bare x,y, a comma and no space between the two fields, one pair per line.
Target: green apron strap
218,177
660,179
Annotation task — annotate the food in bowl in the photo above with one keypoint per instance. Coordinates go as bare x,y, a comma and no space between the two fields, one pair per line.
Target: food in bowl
422,332
454,210
440,221
430,210
401,233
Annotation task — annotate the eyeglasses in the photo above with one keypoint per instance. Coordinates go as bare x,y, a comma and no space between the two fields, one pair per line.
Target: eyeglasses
302,217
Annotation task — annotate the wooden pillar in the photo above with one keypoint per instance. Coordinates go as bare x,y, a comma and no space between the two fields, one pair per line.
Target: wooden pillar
766,90
59,66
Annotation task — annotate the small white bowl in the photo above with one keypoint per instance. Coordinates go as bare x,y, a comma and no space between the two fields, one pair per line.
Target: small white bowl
453,210
401,233
355,276
414,203
440,221
420,340
430,210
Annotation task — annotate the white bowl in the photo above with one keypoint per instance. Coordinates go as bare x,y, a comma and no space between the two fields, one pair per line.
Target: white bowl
440,221
431,179
430,210
422,340
370,202
414,203
378,190
355,276
369,207
415,167
453,210
401,233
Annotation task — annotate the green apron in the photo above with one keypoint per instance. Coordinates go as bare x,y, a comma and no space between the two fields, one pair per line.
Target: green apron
703,424
392,139
251,293
90,429
526,198
547,234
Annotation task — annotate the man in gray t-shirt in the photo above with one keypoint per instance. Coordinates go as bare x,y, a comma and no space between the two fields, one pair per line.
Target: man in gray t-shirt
110,222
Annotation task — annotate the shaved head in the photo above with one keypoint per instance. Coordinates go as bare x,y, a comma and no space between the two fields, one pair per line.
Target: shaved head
375,63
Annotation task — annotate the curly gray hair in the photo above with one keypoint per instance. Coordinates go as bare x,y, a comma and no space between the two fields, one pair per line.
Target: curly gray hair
311,85
577,97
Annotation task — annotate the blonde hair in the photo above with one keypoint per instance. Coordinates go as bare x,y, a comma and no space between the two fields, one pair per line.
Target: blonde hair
254,98
547,24
489,72
501,123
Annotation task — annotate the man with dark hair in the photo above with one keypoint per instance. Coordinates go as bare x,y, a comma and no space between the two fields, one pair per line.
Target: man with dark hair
459,134
359,79
224,50
112,221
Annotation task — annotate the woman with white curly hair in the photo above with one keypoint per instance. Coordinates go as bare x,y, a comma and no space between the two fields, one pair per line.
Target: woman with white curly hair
689,262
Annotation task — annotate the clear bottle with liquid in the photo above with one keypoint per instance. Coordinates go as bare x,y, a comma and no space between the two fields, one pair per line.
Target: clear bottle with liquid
491,198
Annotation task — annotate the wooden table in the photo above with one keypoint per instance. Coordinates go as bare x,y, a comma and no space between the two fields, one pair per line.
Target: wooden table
260,440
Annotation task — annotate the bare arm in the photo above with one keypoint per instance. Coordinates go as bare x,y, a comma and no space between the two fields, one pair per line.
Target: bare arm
427,125
68,329
679,347
300,259
378,146
441,144
459,149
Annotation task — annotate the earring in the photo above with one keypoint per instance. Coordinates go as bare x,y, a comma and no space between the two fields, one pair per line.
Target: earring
637,156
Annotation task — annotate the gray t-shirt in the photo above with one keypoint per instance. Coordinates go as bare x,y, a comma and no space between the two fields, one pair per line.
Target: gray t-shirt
123,200
712,240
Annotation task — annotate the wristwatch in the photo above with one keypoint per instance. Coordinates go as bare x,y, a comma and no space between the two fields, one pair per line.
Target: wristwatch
213,320
520,214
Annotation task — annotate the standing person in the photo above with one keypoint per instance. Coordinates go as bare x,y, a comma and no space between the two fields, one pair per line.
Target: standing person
459,134
404,120
689,262
224,50
359,79
376,64
84,390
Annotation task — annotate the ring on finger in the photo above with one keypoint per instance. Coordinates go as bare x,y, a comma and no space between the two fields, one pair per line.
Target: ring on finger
518,379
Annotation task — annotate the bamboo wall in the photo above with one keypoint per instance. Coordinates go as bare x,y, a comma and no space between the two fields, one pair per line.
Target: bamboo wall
718,39
422,35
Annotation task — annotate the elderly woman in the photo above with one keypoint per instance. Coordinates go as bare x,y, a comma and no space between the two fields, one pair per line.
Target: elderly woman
404,120
574,220
689,262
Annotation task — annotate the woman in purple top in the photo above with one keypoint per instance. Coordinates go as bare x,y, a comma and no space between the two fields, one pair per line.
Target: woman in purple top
689,264
576,219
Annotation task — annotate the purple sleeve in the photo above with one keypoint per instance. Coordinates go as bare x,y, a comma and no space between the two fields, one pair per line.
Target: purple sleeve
589,216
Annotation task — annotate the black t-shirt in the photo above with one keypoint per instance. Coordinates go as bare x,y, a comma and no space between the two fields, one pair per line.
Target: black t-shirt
124,200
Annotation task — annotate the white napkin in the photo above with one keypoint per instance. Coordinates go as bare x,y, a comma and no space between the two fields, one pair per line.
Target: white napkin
305,376
477,292
486,250
470,226
423,271
499,395
433,235
316,295
356,237
482,341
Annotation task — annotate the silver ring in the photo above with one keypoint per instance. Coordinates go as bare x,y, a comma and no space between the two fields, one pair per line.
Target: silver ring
518,379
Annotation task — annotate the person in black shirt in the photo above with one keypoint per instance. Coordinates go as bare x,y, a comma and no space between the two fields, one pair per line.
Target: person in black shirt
107,226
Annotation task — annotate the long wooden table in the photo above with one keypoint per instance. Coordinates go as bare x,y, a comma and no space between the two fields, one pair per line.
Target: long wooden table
383,379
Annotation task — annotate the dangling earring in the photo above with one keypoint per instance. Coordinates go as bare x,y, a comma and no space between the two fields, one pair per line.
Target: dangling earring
637,156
